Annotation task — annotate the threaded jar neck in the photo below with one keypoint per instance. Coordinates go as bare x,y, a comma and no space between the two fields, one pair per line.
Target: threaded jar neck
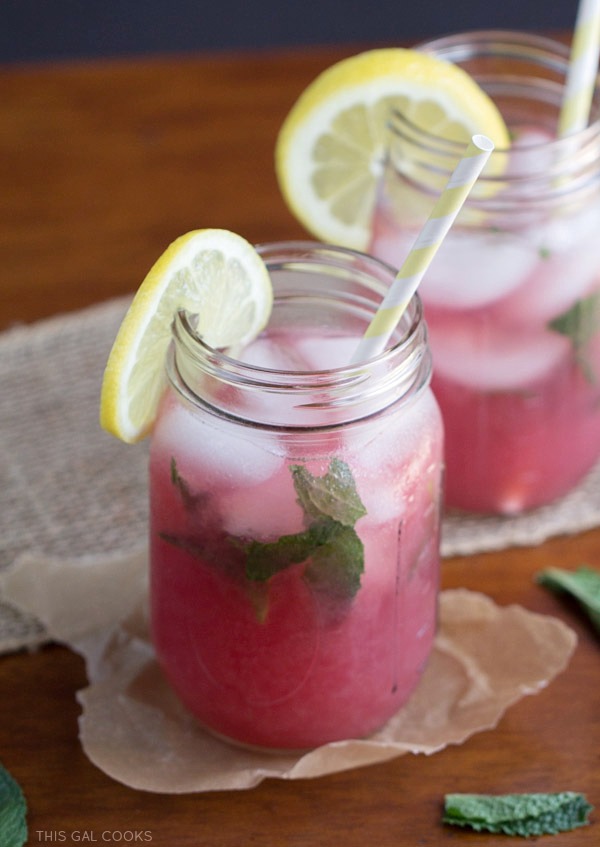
525,76
318,290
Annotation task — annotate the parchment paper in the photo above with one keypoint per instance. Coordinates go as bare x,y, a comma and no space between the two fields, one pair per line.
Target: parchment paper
132,726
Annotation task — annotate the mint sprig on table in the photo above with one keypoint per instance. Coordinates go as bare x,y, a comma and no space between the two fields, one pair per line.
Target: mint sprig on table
331,507
518,814
583,584
13,812
579,324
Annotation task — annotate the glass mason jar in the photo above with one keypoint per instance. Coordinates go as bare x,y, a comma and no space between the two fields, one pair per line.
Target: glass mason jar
512,299
295,513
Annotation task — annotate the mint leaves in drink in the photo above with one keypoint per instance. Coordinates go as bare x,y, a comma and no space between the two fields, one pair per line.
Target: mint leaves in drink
336,552
330,544
582,584
190,500
332,496
518,814
580,324
13,812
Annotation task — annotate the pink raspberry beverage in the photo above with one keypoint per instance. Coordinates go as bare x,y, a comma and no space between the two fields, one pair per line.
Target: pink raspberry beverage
512,300
295,514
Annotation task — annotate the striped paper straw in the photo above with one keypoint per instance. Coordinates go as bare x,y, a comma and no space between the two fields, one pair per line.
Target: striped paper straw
582,70
424,249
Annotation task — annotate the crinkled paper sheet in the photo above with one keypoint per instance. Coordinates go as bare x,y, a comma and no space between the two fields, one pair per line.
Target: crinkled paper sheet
485,658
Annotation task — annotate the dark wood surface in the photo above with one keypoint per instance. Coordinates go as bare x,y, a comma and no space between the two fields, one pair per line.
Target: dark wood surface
101,165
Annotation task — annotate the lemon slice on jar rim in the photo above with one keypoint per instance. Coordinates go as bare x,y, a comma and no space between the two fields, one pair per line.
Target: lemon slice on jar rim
330,149
212,273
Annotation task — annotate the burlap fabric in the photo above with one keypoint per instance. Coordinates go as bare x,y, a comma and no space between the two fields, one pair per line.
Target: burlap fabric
68,489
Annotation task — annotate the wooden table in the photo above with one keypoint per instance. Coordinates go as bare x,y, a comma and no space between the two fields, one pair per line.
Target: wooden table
101,165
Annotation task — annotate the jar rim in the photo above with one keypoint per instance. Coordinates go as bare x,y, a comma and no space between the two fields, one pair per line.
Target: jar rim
544,170
400,370
545,51
298,251
457,41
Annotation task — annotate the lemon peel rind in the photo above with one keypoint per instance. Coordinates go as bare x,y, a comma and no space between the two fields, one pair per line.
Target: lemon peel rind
144,318
366,79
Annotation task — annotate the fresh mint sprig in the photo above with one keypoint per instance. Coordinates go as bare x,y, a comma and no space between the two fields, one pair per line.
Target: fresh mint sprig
13,812
336,553
333,495
265,559
518,814
330,544
583,584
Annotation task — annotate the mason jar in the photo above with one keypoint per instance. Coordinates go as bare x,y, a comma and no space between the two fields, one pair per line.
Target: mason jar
512,299
295,512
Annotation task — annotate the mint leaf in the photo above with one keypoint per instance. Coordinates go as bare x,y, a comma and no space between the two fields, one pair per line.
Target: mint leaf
583,584
265,559
518,814
580,324
333,495
335,552
338,564
190,499
330,545
13,812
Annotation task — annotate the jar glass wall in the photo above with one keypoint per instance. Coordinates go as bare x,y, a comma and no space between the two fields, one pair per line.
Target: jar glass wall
512,299
295,504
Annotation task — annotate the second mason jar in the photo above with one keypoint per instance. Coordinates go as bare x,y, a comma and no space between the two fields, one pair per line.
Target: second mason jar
512,299
295,511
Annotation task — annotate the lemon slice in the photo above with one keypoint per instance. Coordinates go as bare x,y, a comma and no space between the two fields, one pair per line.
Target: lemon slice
212,273
330,149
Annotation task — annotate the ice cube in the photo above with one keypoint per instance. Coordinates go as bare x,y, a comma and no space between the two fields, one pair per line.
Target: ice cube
531,153
389,243
216,452
300,352
326,353
567,270
276,403
471,271
495,359
266,511
527,136
399,434
386,461
273,354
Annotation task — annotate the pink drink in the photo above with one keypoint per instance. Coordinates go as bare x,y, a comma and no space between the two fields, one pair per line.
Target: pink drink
521,414
294,570
512,302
